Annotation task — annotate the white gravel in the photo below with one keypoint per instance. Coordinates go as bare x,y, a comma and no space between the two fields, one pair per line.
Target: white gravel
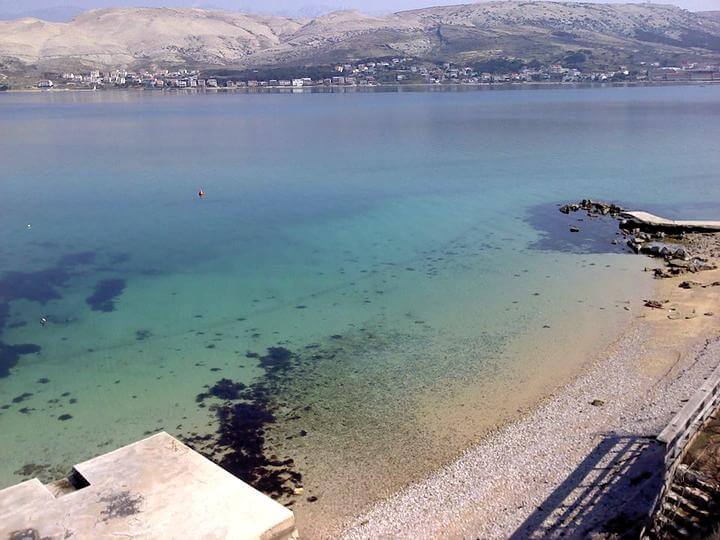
560,458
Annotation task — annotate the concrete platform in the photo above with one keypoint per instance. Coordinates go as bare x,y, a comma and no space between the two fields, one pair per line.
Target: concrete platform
646,219
154,488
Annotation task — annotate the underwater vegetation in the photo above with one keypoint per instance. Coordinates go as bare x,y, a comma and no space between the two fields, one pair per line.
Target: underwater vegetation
106,292
43,286
242,416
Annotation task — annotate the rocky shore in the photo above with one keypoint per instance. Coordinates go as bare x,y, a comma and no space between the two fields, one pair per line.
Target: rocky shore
585,462
683,246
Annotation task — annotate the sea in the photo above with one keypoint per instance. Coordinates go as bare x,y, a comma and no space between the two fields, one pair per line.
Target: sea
370,283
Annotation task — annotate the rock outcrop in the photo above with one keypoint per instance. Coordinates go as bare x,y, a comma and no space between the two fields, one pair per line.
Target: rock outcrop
646,234
543,31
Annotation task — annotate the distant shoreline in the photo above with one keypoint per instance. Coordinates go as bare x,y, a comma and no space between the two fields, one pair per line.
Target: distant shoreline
342,89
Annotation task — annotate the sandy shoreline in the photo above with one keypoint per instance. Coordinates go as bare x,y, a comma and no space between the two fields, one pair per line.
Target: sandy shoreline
551,472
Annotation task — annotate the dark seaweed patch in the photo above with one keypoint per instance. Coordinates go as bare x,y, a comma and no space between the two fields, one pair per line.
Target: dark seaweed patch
141,335
64,417
242,429
22,397
119,258
223,389
39,286
239,443
83,258
106,291
595,235
10,354
42,285
43,471
277,359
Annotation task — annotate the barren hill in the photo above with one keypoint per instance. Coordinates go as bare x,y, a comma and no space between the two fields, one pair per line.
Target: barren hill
714,15
138,37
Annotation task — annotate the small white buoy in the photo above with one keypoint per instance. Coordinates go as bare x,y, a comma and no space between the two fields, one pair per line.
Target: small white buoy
43,321
29,226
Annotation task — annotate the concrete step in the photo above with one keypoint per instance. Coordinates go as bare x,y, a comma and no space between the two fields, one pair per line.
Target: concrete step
687,477
667,528
682,518
697,496
688,506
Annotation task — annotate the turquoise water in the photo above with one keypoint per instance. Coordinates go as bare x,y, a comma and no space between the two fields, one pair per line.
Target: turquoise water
401,253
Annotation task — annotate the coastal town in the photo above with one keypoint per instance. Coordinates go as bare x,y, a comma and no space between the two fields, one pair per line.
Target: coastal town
385,72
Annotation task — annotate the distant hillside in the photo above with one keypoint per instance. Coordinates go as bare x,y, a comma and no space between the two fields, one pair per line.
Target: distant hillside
714,15
593,34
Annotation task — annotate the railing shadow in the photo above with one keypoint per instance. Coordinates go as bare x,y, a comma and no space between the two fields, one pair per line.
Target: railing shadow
609,494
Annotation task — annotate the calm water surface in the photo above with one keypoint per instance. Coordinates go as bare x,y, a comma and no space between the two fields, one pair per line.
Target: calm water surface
371,281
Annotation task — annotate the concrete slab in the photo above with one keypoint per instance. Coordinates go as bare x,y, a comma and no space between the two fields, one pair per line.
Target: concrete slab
154,488
651,220
22,497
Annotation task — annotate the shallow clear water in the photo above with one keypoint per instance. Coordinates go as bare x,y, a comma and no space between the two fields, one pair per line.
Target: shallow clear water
404,251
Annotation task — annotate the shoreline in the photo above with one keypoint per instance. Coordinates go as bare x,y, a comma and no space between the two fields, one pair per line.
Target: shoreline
340,89
505,483
358,475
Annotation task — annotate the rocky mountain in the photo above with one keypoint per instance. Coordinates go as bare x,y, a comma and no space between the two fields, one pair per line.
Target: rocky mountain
605,34
714,15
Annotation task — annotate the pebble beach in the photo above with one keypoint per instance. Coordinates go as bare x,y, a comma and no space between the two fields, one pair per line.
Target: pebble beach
584,463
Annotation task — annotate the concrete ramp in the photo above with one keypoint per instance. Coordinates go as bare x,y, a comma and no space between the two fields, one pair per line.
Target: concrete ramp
154,488
646,220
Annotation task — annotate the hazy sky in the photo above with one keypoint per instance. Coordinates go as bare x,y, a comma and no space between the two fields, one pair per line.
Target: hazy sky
292,7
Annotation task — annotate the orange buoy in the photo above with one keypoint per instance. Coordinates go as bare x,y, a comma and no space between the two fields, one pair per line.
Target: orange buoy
201,193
